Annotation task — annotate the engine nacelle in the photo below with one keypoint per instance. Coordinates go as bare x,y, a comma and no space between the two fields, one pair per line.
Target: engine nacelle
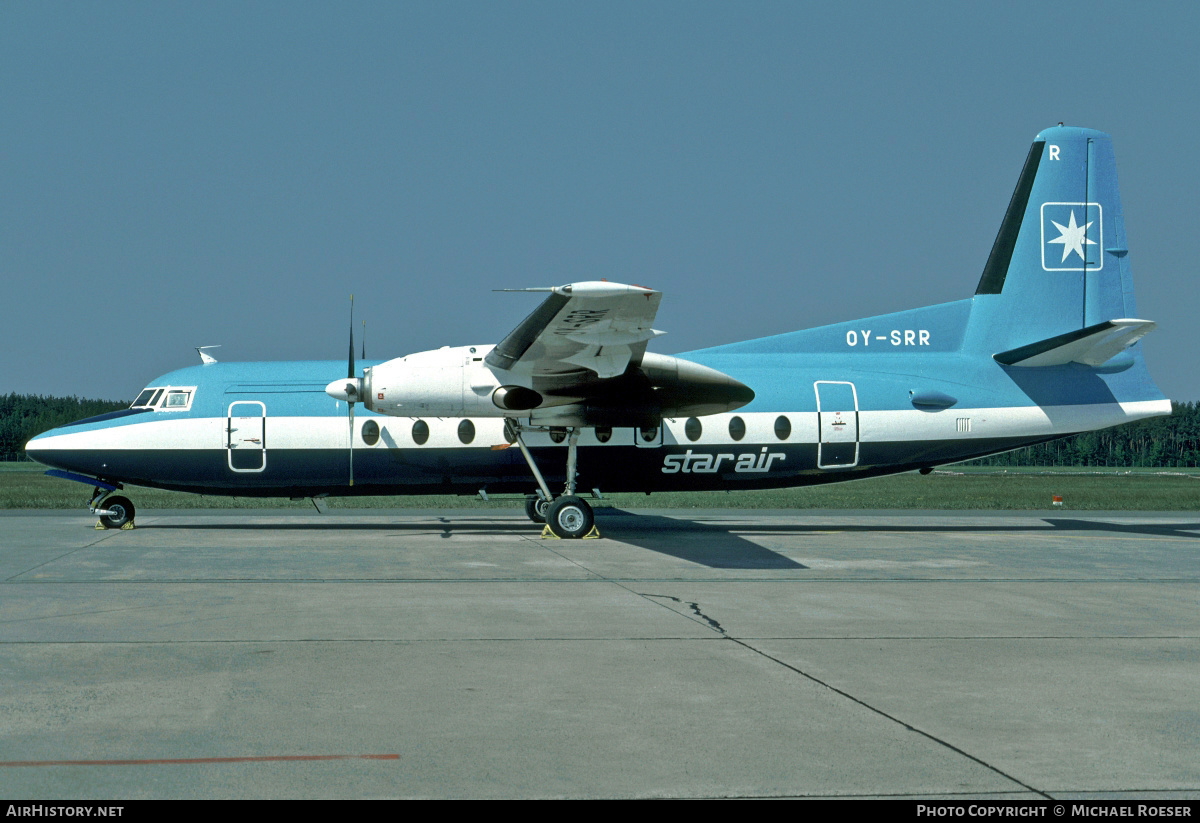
446,382
456,382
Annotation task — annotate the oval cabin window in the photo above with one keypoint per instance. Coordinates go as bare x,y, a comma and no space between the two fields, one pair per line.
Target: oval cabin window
370,432
737,428
420,432
466,431
783,427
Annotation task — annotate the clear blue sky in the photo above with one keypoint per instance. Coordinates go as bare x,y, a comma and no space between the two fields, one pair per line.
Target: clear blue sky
182,174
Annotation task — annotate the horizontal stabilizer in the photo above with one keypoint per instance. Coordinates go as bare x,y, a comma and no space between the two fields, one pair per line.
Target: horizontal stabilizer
1091,346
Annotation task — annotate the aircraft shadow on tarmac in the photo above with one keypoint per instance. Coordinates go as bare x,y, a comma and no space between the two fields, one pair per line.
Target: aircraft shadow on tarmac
721,545
716,546
1147,529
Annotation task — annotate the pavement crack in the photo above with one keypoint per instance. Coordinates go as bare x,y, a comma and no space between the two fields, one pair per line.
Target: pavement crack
85,547
910,727
695,608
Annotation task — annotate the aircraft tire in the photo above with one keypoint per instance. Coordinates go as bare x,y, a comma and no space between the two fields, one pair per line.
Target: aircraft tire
536,508
122,512
570,517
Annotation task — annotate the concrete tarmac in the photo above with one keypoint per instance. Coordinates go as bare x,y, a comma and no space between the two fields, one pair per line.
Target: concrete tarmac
257,654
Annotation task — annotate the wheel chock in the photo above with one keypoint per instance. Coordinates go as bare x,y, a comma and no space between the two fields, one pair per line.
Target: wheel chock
101,527
548,534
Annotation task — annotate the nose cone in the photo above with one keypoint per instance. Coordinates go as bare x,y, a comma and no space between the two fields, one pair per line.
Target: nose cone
51,449
36,447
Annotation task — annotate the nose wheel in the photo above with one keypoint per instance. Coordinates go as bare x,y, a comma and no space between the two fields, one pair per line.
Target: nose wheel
116,512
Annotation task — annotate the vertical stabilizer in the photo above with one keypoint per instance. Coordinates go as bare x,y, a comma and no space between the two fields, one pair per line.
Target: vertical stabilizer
1059,263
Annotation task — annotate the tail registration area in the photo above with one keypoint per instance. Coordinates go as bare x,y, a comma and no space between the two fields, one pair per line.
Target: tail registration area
893,337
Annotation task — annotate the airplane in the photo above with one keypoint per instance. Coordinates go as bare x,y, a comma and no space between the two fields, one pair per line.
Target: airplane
1046,347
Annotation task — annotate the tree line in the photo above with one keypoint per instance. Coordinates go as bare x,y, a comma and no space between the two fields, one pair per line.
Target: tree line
1172,441
24,415
1158,442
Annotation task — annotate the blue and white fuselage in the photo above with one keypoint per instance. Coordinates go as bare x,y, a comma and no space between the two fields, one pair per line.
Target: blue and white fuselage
1046,347
289,439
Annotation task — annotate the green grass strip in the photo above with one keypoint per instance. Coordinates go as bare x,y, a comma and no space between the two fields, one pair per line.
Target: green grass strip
23,486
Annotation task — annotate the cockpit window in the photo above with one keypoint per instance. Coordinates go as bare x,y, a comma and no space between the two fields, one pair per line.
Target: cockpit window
165,398
144,399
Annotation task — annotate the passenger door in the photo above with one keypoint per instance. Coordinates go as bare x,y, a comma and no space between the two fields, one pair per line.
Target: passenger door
246,436
837,424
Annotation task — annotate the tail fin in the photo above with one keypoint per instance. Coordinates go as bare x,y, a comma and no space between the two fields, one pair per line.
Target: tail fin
1059,263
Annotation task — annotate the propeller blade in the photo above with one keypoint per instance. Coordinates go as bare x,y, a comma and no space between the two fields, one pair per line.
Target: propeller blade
351,388
350,363
351,443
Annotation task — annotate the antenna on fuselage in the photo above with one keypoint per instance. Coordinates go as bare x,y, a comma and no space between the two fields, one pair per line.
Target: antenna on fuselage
206,358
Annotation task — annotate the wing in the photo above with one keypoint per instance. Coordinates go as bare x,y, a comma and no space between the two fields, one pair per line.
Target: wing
598,326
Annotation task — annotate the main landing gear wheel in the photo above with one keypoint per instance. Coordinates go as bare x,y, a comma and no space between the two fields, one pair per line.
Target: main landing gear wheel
120,512
536,508
570,517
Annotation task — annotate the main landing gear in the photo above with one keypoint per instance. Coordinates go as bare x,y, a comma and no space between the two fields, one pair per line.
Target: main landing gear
569,516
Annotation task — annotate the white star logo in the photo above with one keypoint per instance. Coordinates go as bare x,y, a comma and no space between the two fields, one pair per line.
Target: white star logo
1073,237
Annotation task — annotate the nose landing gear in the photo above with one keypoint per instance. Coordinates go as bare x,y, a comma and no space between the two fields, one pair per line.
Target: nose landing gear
116,512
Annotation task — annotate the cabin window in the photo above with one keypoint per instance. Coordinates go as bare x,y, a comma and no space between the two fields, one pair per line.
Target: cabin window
693,429
737,428
558,434
420,432
370,432
466,431
603,433
648,433
783,427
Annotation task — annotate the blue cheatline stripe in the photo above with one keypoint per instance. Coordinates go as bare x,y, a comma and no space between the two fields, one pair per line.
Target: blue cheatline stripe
306,472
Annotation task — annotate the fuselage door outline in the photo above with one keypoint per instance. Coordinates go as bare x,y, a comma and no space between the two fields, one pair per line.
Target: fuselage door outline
837,424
